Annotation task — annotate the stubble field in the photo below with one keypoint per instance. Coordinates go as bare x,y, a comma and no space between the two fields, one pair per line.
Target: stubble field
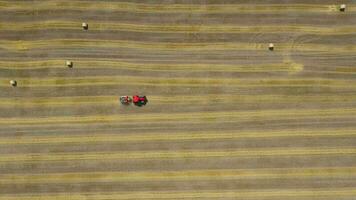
226,119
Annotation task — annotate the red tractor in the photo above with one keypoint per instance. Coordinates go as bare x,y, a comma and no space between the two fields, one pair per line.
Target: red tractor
137,100
140,100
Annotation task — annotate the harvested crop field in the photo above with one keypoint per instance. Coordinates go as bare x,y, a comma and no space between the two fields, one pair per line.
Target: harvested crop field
227,117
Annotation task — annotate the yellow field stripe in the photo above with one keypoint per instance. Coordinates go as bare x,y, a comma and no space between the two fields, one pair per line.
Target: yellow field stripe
285,66
183,82
240,98
130,155
170,46
189,116
309,120
177,28
61,101
29,102
111,64
90,177
171,8
203,194
147,137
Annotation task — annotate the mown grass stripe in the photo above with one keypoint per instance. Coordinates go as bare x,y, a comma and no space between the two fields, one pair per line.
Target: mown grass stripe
188,175
183,82
173,136
177,28
202,194
172,8
154,125
59,101
286,66
170,46
30,102
132,155
186,117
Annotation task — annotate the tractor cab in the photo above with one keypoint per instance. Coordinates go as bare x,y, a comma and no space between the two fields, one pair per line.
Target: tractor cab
140,100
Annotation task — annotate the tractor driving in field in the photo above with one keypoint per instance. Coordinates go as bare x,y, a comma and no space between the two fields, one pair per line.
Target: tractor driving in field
140,100
137,100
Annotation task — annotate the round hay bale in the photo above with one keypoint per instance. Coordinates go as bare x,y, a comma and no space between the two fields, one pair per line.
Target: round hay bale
342,7
85,26
271,46
69,64
13,83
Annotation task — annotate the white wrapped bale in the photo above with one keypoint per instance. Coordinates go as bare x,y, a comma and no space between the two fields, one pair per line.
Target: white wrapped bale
342,7
69,64
13,83
271,46
85,26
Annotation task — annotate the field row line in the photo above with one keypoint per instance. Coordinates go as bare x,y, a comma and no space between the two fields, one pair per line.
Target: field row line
177,28
171,8
286,66
180,100
204,194
183,82
173,136
283,120
170,46
188,116
153,155
186,175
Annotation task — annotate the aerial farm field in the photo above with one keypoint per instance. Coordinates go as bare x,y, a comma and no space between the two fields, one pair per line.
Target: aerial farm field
227,117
